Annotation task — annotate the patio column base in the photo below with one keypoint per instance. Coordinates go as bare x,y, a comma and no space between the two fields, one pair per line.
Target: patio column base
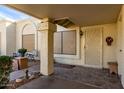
47,29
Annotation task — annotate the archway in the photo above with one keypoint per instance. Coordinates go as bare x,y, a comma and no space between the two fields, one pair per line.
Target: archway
29,37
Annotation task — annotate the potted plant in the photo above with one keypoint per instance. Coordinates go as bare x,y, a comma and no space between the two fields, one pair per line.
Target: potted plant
5,69
22,51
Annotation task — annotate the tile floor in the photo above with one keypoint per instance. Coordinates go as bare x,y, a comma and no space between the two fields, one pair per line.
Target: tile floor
69,77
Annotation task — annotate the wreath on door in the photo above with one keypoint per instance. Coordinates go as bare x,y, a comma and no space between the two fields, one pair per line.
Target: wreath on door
109,40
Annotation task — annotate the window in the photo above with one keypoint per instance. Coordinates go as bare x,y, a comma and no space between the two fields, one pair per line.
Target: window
57,43
65,42
28,42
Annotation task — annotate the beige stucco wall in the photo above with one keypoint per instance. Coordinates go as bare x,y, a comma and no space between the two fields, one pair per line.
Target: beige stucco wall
10,38
3,37
109,52
8,31
120,44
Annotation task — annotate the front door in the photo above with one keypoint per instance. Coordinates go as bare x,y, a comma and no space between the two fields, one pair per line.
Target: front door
93,47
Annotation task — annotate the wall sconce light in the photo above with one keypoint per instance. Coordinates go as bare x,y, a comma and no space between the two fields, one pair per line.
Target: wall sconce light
81,33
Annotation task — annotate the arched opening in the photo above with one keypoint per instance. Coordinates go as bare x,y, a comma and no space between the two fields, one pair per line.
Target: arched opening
29,40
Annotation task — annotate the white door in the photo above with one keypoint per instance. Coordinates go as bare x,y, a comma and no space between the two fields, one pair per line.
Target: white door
93,47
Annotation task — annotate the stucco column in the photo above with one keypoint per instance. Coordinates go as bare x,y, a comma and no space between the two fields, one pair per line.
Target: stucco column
47,29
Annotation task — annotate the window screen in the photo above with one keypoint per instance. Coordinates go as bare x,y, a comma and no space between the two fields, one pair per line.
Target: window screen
57,43
65,42
69,42
28,42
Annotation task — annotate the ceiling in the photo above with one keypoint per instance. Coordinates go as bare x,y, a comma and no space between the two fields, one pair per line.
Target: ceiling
80,14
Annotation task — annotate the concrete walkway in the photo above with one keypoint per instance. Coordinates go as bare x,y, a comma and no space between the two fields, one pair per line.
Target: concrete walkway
91,76
20,73
53,82
70,77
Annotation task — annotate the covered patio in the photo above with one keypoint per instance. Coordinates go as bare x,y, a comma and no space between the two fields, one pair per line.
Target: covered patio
76,45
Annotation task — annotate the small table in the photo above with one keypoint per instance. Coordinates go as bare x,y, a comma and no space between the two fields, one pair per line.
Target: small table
22,62
113,67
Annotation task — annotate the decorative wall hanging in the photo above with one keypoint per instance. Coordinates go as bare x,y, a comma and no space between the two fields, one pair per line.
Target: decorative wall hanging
81,33
109,40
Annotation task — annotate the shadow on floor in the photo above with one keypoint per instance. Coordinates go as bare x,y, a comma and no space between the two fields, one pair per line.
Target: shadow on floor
91,76
53,82
74,77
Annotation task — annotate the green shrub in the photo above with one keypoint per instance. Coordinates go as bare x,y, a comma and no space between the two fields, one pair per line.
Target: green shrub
5,69
22,51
